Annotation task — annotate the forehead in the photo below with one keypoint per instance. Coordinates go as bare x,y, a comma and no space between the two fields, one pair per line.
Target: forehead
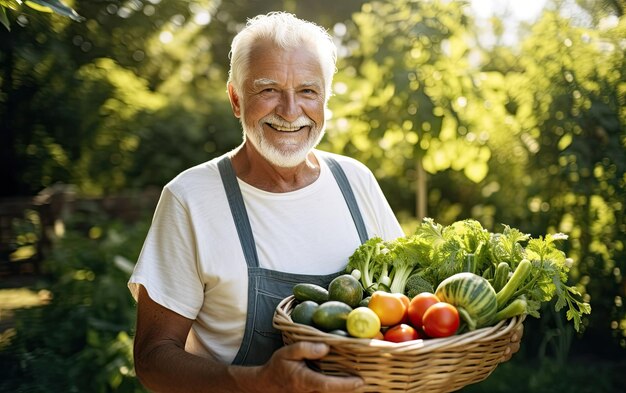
269,62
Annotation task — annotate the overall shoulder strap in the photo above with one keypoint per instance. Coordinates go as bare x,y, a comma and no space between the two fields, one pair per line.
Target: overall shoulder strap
348,195
238,210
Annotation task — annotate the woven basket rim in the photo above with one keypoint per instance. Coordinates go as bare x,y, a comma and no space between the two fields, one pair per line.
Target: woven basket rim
283,322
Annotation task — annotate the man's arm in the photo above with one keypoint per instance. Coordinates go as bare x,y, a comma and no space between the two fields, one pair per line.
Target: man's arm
163,365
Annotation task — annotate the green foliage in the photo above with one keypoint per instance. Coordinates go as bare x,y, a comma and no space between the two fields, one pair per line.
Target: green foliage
128,98
81,340
39,5
575,136
404,91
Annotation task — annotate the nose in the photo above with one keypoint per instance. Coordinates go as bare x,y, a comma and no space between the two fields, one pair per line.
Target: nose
288,107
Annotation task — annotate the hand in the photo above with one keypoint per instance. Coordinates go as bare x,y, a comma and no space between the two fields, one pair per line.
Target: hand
286,371
516,339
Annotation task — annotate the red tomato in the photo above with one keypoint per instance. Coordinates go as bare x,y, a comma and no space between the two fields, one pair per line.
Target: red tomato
400,333
418,306
441,320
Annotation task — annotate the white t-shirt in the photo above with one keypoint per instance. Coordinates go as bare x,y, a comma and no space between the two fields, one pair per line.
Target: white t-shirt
192,261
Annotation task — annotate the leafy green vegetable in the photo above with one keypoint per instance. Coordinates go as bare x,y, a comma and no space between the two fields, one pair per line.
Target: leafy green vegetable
363,260
435,252
549,278
403,257
449,247
506,246
386,265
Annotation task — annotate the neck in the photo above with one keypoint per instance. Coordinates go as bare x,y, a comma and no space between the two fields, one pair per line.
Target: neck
251,167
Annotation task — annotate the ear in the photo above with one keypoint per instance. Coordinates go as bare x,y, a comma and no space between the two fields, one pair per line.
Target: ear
235,103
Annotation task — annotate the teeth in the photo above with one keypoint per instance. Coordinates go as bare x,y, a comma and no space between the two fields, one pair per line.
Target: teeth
288,129
284,126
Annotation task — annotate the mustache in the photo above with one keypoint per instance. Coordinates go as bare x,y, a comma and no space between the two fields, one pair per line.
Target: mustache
300,122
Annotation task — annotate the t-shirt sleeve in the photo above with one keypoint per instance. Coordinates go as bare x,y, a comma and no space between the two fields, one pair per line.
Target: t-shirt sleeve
389,227
167,265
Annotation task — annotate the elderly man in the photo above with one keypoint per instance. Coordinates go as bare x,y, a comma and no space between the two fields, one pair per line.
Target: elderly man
230,237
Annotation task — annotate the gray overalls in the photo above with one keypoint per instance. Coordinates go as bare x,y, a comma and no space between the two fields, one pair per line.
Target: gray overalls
266,288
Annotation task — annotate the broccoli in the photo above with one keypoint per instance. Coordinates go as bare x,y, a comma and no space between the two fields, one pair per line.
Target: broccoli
417,284
362,263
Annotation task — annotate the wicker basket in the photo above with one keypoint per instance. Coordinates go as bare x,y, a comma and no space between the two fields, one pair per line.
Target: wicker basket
432,365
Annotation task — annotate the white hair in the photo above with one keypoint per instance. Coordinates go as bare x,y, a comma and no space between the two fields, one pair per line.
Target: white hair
286,31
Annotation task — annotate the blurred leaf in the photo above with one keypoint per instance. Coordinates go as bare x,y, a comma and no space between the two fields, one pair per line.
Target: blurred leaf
38,7
12,4
4,19
54,6
124,264
476,171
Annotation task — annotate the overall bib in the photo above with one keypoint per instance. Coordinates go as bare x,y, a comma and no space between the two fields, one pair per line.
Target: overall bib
266,288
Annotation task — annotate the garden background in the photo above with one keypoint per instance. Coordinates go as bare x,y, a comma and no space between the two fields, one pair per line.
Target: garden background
100,109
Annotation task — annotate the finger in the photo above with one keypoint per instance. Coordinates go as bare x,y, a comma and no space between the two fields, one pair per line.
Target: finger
319,382
305,350
315,381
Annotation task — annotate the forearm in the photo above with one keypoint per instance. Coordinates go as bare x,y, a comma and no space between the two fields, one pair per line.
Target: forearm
168,368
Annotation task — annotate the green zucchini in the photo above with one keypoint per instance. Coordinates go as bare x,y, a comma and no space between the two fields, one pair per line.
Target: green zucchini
473,297
517,307
519,276
307,291
501,276
331,315
303,312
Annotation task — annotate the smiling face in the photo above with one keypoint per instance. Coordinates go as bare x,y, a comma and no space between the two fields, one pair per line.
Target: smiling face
282,103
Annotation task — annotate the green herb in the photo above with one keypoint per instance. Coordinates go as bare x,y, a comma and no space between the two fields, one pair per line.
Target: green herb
549,278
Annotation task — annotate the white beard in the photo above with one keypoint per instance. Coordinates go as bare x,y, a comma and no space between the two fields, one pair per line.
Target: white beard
281,157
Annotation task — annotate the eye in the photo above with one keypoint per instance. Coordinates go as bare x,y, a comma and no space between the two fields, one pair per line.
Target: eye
309,91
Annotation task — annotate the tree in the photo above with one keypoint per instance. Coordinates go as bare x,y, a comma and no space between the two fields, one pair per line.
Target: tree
408,84
128,98
575,139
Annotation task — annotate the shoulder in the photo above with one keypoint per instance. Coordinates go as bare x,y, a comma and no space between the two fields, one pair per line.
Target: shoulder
201,179
352,167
